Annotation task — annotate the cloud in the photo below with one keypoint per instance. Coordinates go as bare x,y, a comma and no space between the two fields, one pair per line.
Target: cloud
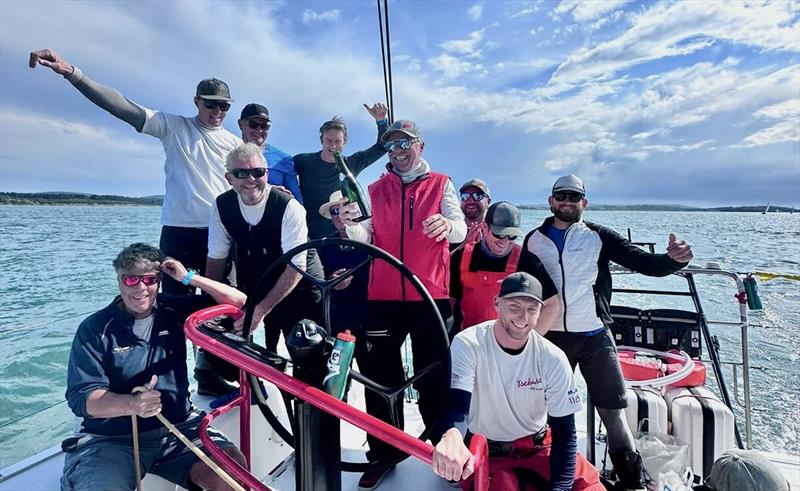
452,67
682,28
584,11
310,16
475,12
465,47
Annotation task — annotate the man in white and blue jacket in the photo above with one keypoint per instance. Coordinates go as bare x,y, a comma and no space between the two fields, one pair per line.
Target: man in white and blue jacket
576,255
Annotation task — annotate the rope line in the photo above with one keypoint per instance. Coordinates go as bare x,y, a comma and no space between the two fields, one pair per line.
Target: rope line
42,324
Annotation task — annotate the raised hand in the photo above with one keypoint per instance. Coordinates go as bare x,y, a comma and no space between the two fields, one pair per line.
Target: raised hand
148,402
348,212
437,227
174,268
679,250
51,59
377,111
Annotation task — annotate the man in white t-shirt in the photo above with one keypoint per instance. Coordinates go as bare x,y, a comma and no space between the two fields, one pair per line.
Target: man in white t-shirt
509,384
195,149
262,222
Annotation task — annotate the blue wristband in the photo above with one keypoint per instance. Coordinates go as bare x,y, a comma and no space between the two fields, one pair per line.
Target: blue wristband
188,277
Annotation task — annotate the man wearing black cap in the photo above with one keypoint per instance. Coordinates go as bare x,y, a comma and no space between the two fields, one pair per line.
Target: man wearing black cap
255,124
477,269
518,390
576,254
475,199
195,149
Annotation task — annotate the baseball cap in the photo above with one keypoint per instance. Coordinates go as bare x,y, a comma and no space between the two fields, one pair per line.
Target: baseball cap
745,470
408,128
476,183
504,219
213,89
254,110
569,183
521,284
325,209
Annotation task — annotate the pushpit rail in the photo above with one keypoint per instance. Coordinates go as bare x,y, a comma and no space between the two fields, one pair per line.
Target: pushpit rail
316,397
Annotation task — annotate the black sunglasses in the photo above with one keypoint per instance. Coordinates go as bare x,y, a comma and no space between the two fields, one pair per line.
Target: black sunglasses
255,125
571,197
512,238
243,173
222,105
476,195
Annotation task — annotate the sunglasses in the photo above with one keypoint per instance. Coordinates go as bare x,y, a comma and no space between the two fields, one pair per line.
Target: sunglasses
475,195
243,173
334,211
402,144
222,105
512,238
571,197
255,125
131,280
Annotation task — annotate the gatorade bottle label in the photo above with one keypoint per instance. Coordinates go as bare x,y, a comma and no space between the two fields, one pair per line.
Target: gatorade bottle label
334,367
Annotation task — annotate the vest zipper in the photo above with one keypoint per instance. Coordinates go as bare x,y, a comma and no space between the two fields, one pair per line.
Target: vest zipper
411,213
563,278
402,234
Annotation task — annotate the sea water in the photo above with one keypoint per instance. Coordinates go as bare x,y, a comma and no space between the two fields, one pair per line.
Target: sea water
55,269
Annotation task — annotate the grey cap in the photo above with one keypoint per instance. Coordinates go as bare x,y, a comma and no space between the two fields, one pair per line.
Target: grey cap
745,470
213,89
569,183
476,183
254,110
521,284
408,128
504,219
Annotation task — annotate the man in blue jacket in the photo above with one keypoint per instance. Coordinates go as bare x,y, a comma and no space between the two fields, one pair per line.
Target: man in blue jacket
136,341
576,255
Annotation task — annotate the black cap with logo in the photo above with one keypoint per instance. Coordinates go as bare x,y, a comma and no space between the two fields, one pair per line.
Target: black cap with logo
214,90
521,284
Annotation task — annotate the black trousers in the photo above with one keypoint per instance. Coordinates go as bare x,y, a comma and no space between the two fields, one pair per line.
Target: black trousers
187,245
379,358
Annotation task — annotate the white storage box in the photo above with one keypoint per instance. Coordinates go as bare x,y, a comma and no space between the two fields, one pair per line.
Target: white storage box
646,403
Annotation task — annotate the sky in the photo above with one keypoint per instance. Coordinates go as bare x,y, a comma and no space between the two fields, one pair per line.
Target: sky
693,103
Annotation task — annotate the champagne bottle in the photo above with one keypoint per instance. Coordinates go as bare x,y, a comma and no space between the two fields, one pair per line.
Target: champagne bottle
351,189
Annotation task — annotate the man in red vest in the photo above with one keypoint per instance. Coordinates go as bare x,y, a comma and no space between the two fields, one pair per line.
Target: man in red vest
415,215
478,268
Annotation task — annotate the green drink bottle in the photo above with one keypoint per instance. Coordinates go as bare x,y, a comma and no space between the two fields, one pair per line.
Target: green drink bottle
335,382
351,189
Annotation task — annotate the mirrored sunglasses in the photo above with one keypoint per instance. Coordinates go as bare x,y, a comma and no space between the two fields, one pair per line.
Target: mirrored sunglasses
571,197
130,280
222,105
512,238
475,195
402,144
243,173
256,125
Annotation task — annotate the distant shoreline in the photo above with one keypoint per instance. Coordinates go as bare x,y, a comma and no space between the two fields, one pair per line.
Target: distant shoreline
63,198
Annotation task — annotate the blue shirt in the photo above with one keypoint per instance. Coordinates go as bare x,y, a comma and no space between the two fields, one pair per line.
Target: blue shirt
106,354
281,170
557,236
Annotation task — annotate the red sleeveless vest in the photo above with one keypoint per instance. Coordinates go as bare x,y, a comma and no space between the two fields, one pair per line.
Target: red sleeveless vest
398,210
480,287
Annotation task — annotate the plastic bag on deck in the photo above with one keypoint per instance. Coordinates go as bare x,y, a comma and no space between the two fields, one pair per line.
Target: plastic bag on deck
661,454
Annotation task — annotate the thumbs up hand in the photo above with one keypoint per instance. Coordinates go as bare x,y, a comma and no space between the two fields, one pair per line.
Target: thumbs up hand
679,250
148,402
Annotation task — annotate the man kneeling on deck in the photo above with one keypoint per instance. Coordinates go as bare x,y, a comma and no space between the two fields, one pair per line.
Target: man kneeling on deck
137,341
518,379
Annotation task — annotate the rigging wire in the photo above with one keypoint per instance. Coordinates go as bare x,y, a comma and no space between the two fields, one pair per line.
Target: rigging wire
42,324
25,416
386,57
383,60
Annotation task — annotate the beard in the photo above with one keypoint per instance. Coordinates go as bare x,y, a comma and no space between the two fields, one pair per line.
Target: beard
569,215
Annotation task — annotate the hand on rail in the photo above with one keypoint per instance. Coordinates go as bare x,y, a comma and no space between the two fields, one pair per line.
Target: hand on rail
146,401
452,459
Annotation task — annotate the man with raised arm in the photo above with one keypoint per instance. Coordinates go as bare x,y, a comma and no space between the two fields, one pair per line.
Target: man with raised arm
415,216
576,255
255,123
517,389
262,223
135,341
319,176
475,200
195,149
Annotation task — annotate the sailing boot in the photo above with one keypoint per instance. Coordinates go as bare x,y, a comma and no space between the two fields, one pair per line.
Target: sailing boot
629,470
209,380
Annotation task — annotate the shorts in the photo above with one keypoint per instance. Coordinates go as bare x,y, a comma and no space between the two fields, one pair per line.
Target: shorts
597,357
105,463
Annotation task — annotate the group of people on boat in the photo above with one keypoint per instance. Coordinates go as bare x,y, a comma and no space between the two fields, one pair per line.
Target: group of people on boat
521,317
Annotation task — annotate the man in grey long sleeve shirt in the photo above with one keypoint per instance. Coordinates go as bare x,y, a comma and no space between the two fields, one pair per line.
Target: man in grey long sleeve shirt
195,150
